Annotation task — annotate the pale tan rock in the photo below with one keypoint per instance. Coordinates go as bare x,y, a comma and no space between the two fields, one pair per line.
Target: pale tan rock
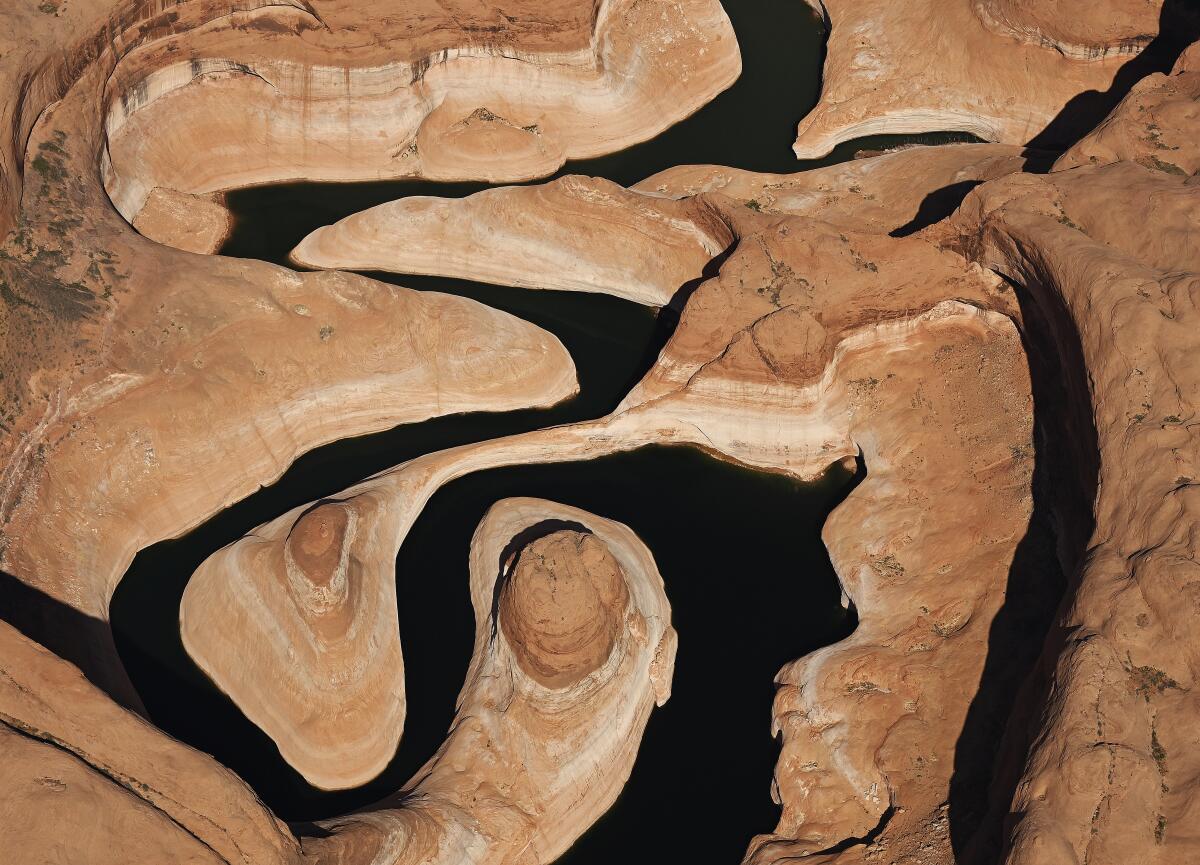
498,92
285,622
533,759
588,234
576,234
158,387
965,76
44,789
107,334
192,223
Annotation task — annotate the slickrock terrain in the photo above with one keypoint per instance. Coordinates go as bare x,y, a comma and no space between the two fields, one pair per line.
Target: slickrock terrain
996,69
566,669
192,223
285,623
1109,776
141,354
1001,338
563,234
1076,29
336,90
814,345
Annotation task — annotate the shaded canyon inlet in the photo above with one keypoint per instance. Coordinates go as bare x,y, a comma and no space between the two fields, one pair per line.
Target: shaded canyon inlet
749,581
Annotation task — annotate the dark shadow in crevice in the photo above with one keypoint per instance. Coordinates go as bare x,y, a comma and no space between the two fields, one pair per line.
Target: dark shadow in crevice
1038,161
83,640
869,838
1178,27
993,744
936,206
669,316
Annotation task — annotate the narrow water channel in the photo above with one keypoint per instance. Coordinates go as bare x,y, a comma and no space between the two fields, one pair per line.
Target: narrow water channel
749,580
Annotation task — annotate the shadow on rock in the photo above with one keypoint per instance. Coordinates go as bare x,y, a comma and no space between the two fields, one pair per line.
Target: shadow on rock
991,749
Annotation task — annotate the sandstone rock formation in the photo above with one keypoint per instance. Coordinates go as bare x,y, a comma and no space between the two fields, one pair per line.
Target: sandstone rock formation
287,622
192,223
1111,759
88,781
1151,126
997,69
1081,30
575,234
502,93
587,234
565,671
815,344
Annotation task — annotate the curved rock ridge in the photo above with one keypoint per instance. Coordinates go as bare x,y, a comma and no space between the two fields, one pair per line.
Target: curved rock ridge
1152,125
576,234
145,388
1104,759
646,243
967,76
199,380
289,624
87,781
544,738
434,92
815,344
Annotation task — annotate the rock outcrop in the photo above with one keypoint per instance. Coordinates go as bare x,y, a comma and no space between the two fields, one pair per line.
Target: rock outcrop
648,243
1076,29
977,69
1010,429
1109,758
289,624
575,234
815,344
567,666
334,90
1152,126
193,223
88,781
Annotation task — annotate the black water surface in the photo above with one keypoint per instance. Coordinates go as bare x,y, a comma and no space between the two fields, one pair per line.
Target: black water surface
750,583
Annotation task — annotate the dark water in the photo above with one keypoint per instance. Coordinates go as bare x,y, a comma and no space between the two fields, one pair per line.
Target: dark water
749,581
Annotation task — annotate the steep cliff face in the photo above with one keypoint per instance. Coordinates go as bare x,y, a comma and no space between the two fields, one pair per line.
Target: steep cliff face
1108,776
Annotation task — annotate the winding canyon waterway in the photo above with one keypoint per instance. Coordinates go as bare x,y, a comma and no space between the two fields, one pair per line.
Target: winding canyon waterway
749,581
